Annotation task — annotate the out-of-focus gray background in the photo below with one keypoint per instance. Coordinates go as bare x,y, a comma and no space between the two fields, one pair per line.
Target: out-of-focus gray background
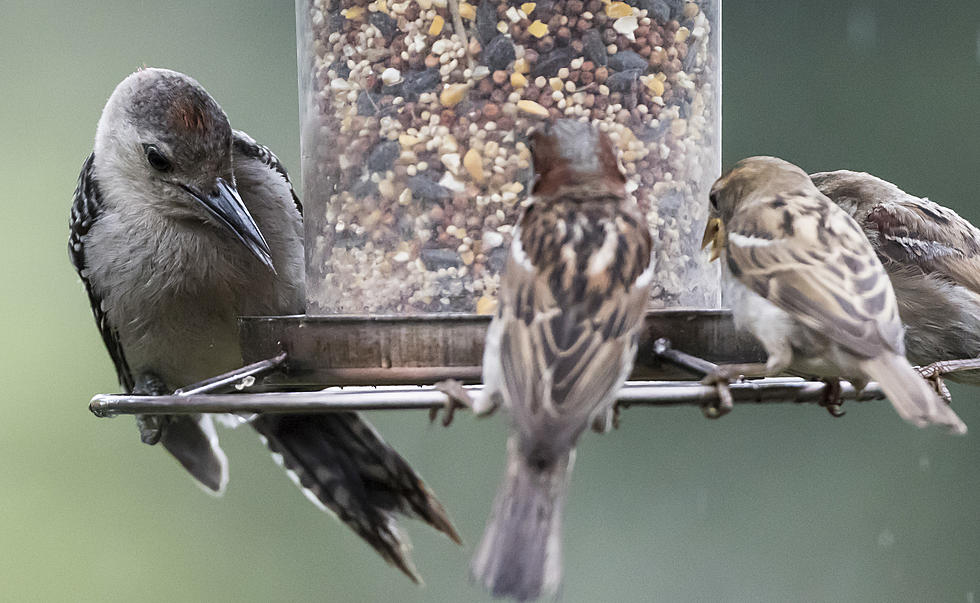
770,503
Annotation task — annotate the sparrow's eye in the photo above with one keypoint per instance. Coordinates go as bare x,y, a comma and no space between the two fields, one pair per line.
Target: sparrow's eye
714,199
156,159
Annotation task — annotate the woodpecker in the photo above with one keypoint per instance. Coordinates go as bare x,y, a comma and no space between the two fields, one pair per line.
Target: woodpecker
180,225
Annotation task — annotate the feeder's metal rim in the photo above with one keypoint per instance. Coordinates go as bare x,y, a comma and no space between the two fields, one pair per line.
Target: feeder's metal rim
681,311
422,349
635,393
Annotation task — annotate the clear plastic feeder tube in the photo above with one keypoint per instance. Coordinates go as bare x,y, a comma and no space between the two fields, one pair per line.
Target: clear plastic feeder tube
414,116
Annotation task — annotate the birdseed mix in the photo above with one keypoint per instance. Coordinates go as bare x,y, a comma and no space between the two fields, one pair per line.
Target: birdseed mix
415,161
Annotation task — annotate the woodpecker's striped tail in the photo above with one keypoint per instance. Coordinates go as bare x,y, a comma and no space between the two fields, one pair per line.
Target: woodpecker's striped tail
342,464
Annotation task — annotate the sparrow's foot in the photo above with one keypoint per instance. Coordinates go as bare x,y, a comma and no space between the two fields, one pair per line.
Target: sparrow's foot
721,377
456,397
831,398
933,373
605,422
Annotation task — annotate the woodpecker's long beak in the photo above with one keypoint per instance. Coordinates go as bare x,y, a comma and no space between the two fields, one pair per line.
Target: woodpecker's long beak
714,233
225,204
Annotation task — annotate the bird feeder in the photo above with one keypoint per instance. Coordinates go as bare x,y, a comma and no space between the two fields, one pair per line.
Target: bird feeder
415,168
415,165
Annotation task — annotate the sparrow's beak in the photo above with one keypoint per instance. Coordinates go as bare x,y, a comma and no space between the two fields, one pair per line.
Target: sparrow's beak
224,203
714,233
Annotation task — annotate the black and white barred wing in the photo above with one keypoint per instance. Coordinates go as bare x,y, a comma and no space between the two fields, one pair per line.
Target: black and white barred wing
85,210
246,149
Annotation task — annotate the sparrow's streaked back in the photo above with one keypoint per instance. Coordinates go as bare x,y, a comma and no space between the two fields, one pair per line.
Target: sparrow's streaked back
809,286
571,302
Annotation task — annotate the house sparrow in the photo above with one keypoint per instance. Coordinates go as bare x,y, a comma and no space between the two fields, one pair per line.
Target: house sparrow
809,287
572,299
933,258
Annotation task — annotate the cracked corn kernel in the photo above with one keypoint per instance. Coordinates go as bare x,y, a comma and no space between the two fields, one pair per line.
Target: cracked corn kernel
473,163
436,28
616,10
531,107
537,29
467,11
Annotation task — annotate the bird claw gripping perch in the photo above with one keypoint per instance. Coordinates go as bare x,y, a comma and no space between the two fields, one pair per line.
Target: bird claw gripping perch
712,374
832,398
933,373
720,378
150,426
456,397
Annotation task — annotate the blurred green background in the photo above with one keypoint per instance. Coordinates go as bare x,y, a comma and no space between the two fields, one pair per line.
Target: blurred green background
771,503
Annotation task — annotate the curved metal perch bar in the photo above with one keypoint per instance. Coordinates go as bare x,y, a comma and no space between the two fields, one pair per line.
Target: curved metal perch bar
634,393
379,350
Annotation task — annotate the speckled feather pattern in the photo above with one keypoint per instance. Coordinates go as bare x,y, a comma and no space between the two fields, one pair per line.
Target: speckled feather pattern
933,258
806,256
811,288
572,299
569,309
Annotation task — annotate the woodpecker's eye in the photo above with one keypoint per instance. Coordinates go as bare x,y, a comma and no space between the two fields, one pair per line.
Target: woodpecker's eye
156,159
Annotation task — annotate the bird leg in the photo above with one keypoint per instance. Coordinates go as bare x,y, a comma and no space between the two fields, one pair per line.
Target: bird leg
933,373
607,420
831,398
150,426
721,377
456,397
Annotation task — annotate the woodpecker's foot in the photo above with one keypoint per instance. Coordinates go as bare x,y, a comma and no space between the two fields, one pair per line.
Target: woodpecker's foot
604,422
831,398
933,373
150,426
456,397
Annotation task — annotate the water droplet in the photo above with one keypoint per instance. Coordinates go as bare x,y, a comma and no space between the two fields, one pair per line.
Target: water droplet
862,27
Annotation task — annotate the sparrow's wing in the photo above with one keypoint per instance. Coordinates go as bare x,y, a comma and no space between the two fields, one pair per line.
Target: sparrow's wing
574,294
925,235
908,232
85,210
807,256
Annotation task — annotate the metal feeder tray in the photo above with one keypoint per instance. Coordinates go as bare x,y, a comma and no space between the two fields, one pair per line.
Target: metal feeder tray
298,364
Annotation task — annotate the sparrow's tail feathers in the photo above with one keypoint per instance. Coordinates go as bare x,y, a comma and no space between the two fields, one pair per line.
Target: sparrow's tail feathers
911,396
520,555
193,441
343,466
